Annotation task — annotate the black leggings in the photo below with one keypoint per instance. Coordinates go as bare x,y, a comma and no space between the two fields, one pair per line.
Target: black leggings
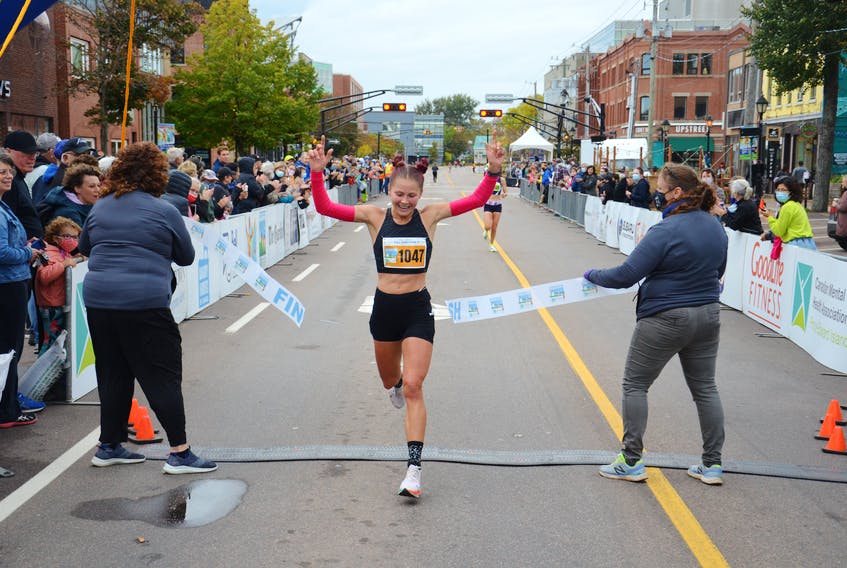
143,345
13,299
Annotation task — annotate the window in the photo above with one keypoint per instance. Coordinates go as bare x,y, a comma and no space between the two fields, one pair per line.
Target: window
701,106
645,64
788,98
800,94
79,56
735,84
678,63
178,55
705,63
813,94
691,64
644,108
679,107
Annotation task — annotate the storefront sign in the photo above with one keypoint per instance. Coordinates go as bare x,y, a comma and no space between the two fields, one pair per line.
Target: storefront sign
5,89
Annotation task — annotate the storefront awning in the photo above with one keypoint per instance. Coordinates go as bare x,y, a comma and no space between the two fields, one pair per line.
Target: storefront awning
679,144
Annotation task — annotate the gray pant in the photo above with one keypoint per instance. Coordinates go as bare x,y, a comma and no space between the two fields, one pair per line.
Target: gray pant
693,334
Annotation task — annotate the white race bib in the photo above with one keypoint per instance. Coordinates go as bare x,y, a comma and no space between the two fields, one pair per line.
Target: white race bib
404,252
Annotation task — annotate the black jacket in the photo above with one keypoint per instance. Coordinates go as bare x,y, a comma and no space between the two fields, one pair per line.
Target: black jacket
19,201
619,194
255,191
745,219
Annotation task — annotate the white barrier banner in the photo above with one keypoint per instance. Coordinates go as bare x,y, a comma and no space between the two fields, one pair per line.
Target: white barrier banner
593,215
250,271
626,229
528,299
732,290
612,215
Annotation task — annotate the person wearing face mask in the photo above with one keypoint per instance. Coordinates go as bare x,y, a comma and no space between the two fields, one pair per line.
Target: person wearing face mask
640,192
61,236
791,224
741,214
681,261
402,323
707,176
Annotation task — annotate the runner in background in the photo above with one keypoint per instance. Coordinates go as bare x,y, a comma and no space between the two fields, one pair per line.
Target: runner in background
491,213
402,324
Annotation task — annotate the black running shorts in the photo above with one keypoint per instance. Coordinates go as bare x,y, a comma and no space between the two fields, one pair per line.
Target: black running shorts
398,316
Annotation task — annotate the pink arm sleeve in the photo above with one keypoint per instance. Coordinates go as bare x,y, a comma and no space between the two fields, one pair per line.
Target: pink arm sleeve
327,207
476,199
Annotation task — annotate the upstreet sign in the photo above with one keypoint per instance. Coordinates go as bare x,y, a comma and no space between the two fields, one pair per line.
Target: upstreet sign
408,90
499,98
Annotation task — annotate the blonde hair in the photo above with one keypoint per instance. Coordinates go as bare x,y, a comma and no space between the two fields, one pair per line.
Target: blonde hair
189,168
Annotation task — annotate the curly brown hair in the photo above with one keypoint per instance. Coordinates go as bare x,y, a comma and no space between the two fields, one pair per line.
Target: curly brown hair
57,227
75,175
792,186
140,166
695,194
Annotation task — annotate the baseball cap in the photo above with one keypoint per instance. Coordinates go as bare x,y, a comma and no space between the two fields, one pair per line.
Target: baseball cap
22,141
46,141
76,145
209,175
289,157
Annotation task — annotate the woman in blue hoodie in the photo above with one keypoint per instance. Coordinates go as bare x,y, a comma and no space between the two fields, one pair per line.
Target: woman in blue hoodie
77,195
681,261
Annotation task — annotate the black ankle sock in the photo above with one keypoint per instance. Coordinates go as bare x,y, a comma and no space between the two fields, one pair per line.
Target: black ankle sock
399,383
631,462
415,451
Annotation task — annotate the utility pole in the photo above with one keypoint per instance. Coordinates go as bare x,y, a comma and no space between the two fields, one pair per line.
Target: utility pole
587,84
651,113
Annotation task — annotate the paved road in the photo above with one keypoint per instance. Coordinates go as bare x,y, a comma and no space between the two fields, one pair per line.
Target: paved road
518,384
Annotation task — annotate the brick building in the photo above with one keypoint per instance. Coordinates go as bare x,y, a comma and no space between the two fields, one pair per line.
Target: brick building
691,79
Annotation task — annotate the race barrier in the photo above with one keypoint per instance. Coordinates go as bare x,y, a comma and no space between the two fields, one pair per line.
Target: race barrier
802,295
242,247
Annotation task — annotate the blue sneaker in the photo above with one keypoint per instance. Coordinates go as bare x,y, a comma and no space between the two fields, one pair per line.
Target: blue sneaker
189,464
29,406
618,469
108,454
712,475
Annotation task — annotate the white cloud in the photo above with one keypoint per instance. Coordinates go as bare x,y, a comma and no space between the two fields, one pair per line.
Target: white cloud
447,46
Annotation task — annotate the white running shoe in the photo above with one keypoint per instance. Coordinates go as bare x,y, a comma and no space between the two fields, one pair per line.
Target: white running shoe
411,486
395,395
485,234
492,248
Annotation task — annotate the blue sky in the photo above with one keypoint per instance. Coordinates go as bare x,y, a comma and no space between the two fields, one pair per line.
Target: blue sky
447,46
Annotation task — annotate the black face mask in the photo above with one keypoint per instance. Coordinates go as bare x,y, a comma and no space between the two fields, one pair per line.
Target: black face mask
659,200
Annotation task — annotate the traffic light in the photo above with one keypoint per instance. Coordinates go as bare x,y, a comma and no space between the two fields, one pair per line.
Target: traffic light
401,107
491,113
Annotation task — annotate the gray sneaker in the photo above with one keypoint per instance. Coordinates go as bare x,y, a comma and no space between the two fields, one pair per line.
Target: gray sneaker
395,394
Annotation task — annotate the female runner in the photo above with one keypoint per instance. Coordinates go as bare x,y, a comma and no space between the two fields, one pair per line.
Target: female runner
491,213
401,323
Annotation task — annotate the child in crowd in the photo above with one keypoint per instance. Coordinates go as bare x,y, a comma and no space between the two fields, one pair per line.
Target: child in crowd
61,237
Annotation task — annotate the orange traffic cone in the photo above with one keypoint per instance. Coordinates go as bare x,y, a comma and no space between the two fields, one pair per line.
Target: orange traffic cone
133,412
826,428
836,443
144,430
835,410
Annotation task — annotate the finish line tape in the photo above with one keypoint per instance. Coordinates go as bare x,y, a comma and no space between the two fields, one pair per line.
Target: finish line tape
250,271
528,299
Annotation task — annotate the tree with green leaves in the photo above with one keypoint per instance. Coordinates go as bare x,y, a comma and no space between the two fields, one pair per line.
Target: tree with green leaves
800,43
159,26
246,86
512,128
458,110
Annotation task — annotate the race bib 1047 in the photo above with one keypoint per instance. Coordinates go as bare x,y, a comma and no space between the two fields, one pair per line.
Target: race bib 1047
404,252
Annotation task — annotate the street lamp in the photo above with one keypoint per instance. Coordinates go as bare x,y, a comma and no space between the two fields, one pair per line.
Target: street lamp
708,140
665,128
761,107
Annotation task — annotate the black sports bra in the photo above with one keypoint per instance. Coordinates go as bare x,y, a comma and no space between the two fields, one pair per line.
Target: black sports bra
402,249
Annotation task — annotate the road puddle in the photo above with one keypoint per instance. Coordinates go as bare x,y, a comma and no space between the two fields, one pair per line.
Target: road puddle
192,505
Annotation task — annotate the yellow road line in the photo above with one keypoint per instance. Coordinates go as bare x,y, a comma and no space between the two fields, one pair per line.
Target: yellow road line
701,546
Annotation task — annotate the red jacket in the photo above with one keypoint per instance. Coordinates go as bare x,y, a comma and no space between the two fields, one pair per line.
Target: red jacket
50,279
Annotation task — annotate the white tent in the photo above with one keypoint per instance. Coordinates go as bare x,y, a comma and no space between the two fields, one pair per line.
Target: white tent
531,140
